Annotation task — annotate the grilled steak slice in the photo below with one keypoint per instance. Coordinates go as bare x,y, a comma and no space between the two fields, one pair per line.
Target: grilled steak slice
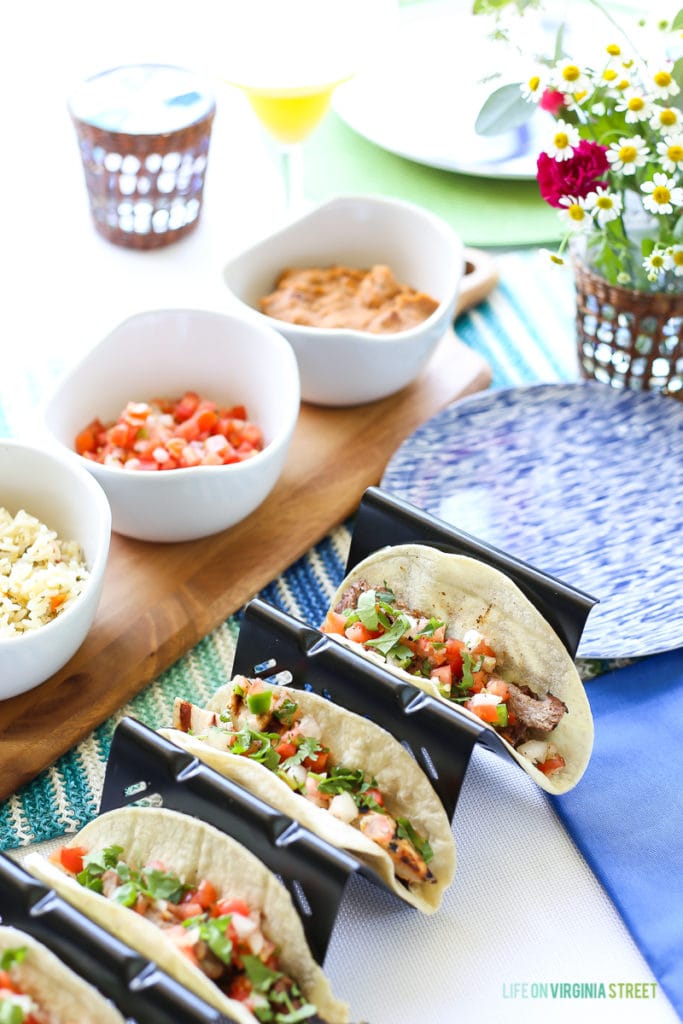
349,598
533,712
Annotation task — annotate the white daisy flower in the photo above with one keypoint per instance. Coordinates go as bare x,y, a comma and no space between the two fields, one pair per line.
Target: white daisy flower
575,215
554,257
661,194
665,118
636,106
603,205
627,154
664,85
574,101
676,254
570,78
535,85
564,141
657,263
671,153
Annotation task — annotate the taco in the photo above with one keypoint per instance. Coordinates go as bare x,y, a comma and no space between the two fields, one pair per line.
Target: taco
201,906
338,774
37,988
465,633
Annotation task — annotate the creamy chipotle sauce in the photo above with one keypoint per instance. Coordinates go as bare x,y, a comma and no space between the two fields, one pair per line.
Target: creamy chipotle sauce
362,300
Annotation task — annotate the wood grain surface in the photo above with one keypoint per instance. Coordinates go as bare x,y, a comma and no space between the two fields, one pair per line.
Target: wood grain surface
159,600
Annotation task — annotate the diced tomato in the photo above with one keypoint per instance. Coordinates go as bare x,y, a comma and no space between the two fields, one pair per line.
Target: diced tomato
85,440
71,858
285,749
6,982
119,435
237,412
187,406
206,420
376,795
334,622
318,763
442,676
454,649
487,712
206,893
478,681
483,650
230,905
191,908
189,429
240,988
434,655
499,687
552,765
359,634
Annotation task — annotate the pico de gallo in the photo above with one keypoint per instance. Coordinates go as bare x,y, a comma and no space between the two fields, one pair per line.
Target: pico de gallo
16,1005
222,936
172,434
463,670
267,725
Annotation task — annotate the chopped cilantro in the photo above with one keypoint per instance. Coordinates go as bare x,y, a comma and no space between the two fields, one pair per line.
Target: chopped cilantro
12,1012
286,711
406,831
342,780
214,932
391,638
309,747
431,628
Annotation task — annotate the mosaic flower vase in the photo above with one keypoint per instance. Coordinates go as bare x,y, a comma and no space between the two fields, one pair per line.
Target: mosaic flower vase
628,339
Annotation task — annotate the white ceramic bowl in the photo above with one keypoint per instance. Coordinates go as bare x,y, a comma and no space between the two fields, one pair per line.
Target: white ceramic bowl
57,490
161,354
346,367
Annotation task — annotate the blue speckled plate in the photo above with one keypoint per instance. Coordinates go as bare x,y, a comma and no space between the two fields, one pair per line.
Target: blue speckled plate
581,481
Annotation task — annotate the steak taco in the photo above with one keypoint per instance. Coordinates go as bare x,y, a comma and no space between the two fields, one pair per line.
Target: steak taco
465,633
201,906
37,988
338,774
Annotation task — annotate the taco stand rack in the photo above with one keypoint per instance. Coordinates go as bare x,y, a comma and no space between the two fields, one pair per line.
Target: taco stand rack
141,990
143,765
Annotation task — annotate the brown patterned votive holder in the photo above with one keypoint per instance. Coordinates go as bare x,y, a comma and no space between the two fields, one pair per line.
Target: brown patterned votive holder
628,339
144,133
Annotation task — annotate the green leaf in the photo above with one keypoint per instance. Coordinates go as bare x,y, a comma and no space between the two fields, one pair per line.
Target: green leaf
259,975
677,23
164,885
406,831
386,641
677,75
503,110
286,711
342,780
11,957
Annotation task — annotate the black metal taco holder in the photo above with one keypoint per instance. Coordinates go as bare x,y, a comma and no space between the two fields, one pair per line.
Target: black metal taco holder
141,990
142,764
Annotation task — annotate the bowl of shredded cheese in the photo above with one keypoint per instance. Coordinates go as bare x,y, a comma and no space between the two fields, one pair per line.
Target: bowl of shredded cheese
55,526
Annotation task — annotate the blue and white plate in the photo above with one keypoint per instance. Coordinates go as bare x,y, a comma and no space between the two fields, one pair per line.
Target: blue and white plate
579,480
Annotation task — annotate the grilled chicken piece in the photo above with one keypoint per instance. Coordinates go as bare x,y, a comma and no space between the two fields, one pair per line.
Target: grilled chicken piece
409,864
189,718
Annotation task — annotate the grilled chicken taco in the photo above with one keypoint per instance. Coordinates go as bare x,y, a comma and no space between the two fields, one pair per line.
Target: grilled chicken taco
201,906
340,775
465,633
37,988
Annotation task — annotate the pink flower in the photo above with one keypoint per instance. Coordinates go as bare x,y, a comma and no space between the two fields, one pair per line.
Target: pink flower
577,176
552,101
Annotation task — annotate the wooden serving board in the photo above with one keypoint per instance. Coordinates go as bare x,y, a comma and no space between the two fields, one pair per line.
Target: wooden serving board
159,600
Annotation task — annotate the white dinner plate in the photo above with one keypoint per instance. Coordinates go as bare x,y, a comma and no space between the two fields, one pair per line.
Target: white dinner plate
420,97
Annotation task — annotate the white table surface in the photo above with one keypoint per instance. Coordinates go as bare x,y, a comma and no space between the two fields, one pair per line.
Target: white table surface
524,908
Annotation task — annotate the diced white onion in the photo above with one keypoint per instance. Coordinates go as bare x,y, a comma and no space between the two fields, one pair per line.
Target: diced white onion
298,773
488,664
485,698
217,739
535,750
472,637
309,727
243,925
343,806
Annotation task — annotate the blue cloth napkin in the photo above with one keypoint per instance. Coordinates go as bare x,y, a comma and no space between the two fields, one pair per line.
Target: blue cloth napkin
626,814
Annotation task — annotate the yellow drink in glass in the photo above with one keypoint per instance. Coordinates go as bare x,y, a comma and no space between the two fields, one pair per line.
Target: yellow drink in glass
290,115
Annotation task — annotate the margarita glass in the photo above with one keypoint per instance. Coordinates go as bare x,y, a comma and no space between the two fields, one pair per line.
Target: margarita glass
288,57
